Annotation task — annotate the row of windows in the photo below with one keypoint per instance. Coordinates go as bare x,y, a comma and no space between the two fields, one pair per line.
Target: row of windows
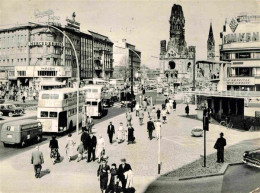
47,73
13,50
48,114
13,39
241,55
21,61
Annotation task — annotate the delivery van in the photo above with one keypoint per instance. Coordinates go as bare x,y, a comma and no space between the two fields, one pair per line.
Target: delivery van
21,132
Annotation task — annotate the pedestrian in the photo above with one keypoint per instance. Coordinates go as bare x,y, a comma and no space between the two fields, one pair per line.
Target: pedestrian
128,117
171,103
153,113
149,111
113,182
37,161
110,132
158,112
144,105
100,147
80,150
130,134
120,133
54,146
84,120
70,147
141,117
137,107
166,101
219,146
85,139
92,147
174,105
90,124
103,173
158,125
187,110
168,107
23,98
164,112
143,92
150,128
34,95
123,167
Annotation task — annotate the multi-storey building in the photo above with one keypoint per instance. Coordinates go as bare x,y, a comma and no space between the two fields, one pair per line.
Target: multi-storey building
241,47
103,56
124,54
40,56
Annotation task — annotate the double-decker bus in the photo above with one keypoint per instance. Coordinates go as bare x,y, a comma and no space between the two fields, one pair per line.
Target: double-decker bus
57,109
94,100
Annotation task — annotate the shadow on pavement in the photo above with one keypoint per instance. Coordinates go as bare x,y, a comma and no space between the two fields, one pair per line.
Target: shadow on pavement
45,172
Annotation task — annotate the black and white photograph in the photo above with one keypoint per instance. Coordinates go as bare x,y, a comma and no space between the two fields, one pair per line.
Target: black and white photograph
130,96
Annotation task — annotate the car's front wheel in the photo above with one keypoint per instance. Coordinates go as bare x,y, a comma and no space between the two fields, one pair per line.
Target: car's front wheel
10,114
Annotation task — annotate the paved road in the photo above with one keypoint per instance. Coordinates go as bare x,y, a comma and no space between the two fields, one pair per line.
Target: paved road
6,152
241,178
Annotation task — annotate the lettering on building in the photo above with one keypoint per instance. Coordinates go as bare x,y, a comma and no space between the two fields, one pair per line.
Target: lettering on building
241,37
47,43
240,81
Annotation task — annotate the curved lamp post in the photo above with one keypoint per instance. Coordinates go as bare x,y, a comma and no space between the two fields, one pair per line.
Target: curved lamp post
78,76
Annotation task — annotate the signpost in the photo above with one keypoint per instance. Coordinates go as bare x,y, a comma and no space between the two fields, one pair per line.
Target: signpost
205,128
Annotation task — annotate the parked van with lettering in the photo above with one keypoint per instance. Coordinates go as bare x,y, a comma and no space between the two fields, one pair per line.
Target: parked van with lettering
21,132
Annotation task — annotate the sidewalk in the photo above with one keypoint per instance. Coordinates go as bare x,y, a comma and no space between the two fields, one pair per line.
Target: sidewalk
178,148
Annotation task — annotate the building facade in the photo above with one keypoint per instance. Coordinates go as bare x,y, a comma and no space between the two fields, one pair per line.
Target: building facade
241,47
124,54
103,56
39,56
176,59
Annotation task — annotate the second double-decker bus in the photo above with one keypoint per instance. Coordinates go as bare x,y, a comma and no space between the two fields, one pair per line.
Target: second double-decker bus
94,100
57,109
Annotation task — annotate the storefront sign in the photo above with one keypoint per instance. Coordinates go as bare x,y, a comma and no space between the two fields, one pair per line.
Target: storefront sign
48,68
47,43
240,81
241,37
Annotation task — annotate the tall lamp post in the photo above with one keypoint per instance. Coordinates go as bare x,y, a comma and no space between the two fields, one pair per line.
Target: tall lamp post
77,61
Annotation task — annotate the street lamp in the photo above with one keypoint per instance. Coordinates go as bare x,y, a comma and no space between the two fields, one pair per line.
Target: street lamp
77,61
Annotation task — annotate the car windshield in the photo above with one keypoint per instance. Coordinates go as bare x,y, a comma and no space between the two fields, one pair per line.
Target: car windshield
11,106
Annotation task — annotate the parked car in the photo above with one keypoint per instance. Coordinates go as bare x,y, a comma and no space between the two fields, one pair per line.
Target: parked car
252,158
1,115
21,132
11,110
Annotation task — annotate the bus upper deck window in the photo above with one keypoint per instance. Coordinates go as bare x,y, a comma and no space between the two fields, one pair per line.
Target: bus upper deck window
45,96
65,96
53,114
44,113
94,90
94,103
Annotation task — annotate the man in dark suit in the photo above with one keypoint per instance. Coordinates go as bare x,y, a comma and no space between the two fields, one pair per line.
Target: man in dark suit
37,161
219,145
150,128
92,147
110,132
85,139
123,167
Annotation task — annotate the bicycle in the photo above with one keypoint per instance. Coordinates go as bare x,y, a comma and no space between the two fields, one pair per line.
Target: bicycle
227,123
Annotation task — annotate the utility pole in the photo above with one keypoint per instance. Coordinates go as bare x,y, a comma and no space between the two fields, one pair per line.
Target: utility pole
194,68
132,81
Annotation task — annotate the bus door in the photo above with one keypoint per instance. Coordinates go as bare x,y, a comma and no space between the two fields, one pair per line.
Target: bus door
62,122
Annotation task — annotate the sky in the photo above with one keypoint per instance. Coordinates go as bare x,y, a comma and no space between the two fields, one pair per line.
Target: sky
143,23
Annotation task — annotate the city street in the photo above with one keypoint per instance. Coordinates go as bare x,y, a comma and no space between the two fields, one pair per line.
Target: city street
176,139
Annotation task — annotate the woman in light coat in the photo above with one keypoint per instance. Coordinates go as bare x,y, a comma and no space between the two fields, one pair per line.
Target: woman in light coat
100,147
121,133
70,147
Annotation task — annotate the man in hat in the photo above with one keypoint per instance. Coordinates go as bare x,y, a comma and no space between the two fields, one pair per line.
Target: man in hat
90,123
219,146
150,128
37,161
123,167
92,147
110,131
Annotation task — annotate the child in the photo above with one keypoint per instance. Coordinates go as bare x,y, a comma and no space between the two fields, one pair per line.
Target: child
80,150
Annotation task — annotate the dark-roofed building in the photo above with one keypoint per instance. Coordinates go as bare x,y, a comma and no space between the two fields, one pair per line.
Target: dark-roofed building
103,56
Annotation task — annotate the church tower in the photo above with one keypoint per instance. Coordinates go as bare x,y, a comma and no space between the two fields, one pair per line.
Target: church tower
177,29
211,45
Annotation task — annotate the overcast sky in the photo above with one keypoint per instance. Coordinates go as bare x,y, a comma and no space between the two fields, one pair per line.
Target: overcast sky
142,22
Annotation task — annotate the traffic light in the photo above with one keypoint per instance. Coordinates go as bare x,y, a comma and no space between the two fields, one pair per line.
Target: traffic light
205,123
